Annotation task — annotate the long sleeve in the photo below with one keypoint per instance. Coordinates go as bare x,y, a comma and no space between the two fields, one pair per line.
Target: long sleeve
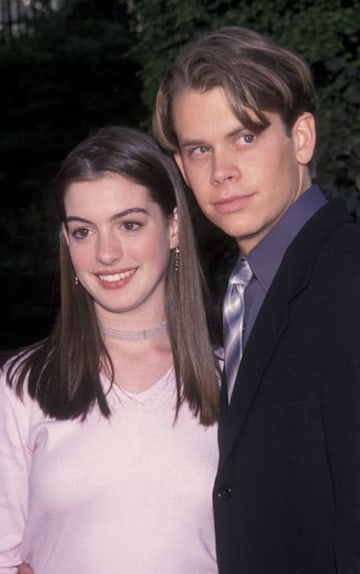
340,398
15,461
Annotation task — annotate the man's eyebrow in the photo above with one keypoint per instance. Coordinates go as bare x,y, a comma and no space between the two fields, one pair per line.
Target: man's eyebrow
198,142
191,143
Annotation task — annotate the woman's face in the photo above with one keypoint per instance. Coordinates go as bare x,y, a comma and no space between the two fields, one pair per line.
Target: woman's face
119,242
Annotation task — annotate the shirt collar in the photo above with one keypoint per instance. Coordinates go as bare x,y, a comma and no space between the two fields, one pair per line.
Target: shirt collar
266,257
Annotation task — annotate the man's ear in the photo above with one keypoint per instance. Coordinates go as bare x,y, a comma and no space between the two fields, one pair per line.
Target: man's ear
173,229
179,162
304,137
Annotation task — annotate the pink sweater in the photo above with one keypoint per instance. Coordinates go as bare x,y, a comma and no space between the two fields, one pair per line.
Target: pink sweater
128,495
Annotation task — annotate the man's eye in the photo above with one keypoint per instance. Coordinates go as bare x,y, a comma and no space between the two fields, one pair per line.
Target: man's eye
199,150
247,138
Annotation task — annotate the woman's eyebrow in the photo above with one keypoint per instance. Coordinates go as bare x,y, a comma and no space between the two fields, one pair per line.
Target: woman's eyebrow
118,215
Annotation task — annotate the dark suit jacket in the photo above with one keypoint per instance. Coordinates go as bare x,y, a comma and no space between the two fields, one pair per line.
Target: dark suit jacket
287,493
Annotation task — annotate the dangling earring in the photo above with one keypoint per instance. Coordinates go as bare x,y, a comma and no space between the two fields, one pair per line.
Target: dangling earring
76,280
177,259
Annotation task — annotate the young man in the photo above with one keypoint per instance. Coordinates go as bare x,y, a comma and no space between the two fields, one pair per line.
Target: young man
236,110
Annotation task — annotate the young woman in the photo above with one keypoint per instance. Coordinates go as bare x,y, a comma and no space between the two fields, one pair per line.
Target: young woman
108,446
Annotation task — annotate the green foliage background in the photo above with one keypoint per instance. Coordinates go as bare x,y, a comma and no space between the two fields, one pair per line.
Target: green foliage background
98,62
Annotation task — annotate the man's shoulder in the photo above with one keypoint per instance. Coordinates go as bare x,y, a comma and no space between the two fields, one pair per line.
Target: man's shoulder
335,210
333,245
343,229
327,245
332,221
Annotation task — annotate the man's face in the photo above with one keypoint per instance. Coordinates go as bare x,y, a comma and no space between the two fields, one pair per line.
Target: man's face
243,182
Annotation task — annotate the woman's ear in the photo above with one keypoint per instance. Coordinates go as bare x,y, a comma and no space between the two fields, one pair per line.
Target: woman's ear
64,232
173,229
304,137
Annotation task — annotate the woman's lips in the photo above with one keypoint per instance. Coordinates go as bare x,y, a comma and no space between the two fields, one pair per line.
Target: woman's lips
115,280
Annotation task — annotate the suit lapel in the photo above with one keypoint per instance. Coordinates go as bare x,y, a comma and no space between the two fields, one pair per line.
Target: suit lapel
268,328
291,279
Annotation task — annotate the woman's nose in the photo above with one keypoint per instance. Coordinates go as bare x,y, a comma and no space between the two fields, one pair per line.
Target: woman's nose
108,249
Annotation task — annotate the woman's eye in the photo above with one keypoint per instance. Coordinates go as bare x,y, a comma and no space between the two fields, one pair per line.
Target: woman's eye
131,225
80,233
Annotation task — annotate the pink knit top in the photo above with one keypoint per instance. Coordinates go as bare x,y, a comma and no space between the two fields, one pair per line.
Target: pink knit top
128,495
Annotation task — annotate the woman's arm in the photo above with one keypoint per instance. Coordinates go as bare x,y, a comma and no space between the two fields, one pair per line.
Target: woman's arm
15,459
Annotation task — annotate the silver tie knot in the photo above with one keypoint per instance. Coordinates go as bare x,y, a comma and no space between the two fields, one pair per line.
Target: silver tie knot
241,274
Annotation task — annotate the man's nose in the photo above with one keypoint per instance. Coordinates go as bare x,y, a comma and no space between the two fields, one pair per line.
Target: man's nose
223,168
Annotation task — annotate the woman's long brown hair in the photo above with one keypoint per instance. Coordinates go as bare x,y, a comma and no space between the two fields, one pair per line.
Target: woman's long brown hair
62,372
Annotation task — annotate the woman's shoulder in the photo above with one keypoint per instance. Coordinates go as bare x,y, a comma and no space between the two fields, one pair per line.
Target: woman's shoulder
13,361
14,371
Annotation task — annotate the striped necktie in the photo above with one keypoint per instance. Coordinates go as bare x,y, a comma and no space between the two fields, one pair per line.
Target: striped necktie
233,318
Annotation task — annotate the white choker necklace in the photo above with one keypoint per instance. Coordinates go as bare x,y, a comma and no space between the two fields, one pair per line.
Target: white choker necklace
133,335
